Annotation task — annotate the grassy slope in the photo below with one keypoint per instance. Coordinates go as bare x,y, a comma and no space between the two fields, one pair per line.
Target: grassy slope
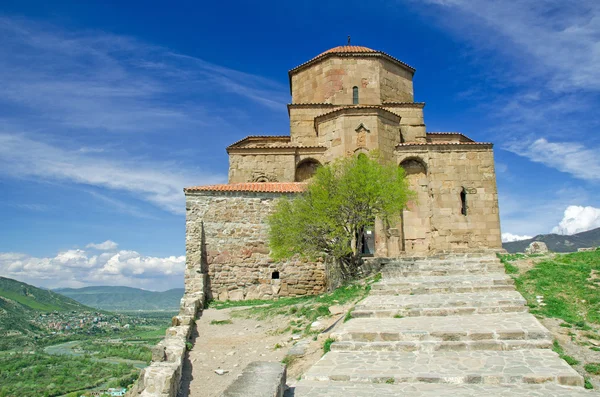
568,285
33,298
304,310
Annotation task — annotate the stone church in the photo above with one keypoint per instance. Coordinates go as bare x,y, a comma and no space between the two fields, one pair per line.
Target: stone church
345,101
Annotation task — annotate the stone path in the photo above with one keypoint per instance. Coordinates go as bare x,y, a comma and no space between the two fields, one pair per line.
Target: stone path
450,326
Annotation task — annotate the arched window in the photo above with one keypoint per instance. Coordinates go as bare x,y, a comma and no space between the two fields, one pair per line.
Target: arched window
355,95
414,166
306,169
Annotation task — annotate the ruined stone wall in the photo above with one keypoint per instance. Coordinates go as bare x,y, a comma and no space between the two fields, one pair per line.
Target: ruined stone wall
449,169
235,253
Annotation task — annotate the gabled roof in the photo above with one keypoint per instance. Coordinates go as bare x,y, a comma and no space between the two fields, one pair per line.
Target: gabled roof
261,138
343,109
441,136
256,187
254,142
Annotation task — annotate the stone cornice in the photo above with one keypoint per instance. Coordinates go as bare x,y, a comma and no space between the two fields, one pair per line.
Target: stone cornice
292,150
422,146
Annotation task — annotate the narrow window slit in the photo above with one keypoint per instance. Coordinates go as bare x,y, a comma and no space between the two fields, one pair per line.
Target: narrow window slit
355,95
275,275
463,201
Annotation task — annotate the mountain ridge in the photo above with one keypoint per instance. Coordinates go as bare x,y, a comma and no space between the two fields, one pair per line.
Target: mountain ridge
558,242
121,298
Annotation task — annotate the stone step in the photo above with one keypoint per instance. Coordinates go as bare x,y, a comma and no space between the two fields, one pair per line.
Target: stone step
404,267
349,389
440,304
485,327
431,346
443,284
457,367
415,271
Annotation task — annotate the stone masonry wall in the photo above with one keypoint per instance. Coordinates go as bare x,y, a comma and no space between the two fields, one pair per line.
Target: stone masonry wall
272,167
226,237
450,168
332,80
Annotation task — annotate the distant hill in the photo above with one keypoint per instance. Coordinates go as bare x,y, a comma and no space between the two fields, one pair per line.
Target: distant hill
21,302
559,242
32,298
124,298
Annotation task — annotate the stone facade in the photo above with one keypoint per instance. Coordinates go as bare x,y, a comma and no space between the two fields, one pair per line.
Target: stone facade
234,250
346,101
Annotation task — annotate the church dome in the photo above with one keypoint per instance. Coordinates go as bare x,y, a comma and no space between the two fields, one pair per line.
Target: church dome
344,49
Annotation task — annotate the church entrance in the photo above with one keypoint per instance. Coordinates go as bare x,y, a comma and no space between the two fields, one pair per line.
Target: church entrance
368,243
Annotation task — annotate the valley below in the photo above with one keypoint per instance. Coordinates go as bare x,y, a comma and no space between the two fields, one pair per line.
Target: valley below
51,345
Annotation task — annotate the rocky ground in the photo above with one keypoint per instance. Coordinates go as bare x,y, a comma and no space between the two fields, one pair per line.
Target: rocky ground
225,344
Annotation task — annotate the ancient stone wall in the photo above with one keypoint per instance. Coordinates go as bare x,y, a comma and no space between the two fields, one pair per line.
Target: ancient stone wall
302,122
450,171
262,166
332,81
396,83
347,131
227,238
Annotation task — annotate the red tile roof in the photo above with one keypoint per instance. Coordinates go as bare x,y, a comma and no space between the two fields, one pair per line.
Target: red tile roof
351,50
258,187
346,49
347,107
442,143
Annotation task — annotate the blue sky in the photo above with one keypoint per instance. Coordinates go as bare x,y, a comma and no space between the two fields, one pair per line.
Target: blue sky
108,110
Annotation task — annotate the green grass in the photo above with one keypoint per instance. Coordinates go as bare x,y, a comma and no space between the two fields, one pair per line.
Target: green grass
596,349
221,322
507,258
398,316
587,384
43,375
576,301
559,350
327,345
289,360
390,381
306,309
593,368
26,301
348,315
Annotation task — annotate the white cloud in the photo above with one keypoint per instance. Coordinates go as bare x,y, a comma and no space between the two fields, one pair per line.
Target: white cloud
78,268
98,80
552,39
156,182
578,219
576,159
108,245
509,237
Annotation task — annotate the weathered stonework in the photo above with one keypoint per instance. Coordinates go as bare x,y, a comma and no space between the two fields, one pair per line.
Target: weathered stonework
234,251
346,101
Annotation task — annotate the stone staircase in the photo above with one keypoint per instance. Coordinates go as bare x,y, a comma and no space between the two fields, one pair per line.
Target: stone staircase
445,326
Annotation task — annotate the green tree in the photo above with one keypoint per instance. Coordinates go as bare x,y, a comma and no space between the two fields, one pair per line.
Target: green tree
342,200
